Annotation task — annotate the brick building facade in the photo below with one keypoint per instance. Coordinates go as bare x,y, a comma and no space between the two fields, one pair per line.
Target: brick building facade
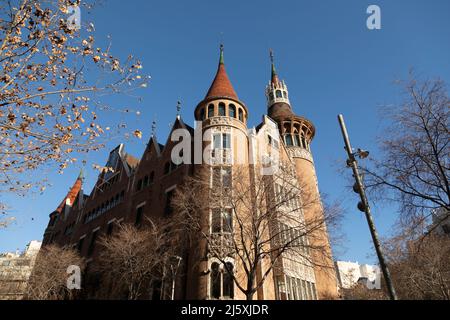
139,188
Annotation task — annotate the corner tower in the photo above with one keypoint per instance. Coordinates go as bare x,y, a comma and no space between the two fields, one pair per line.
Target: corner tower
223,117
297,133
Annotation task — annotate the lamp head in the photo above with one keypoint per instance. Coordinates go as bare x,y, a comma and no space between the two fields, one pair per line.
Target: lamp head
362,154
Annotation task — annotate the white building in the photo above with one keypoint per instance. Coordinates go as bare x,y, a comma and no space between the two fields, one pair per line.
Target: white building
15,270
350,273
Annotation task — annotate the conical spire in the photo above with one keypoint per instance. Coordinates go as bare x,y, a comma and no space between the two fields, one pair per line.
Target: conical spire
81,175
221,85
274,76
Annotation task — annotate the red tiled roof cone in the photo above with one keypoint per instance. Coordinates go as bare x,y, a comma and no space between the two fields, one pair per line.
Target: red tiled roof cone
73,193
221,85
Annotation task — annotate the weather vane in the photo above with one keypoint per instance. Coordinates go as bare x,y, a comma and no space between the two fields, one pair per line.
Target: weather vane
271,55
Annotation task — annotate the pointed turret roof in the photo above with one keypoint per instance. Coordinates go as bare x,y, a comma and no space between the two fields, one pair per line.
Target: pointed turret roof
221,85
72,194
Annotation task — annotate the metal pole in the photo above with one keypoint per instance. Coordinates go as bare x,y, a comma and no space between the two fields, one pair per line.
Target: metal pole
174,275
351,162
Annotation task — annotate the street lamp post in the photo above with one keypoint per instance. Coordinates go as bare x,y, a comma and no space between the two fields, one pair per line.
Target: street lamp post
364,204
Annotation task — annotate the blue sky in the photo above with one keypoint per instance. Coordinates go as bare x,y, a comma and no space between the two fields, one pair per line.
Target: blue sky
330,61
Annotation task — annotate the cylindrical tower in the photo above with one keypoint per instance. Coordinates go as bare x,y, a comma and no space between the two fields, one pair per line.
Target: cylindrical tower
223,118
297,133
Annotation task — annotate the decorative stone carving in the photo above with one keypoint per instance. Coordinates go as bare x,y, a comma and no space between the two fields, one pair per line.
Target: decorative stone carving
296,152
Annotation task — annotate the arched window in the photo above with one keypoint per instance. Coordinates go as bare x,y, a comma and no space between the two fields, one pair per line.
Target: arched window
297,140
271,96
285,94
232,111
278,93
228,284
210,111
288,139
215,281
145,181
202,114
241,115
222,109
304,142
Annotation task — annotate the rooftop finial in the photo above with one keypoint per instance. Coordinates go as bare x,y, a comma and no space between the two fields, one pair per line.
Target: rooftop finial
274,71
221,54
178,108
153,128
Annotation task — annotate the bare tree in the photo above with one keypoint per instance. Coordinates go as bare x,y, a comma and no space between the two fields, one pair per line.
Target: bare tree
414,168
420,267
53,79
135,258
360,292
256,220
48,280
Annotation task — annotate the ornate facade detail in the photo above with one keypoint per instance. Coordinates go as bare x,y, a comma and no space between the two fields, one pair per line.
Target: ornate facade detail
300,153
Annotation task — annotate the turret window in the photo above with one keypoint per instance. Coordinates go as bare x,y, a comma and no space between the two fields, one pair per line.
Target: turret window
222,141
297,140
221,220
222,109
241,115
278,93
202,114
304,142
288,139
232,110
210,111
285,94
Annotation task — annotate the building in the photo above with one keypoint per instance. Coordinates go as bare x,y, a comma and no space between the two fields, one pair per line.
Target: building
138,188
15,270
351,273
